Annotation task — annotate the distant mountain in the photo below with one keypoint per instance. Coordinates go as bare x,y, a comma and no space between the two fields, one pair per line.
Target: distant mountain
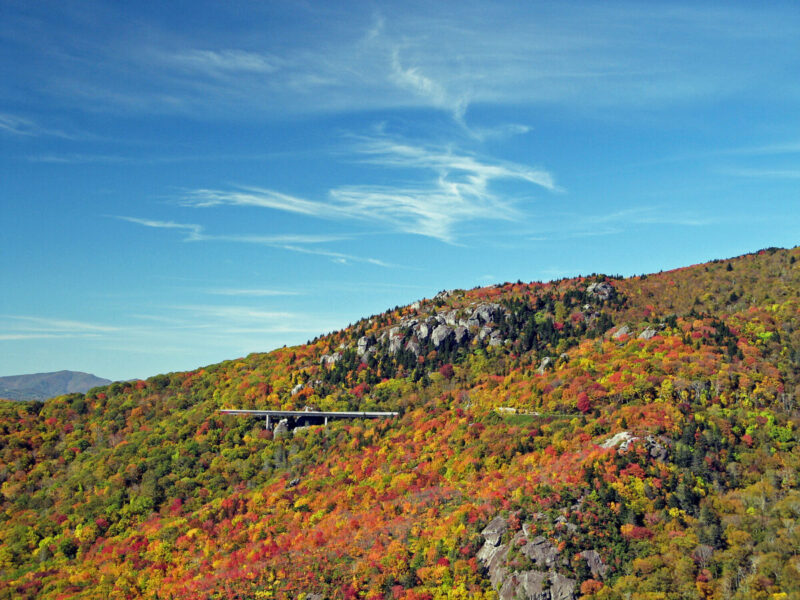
41,386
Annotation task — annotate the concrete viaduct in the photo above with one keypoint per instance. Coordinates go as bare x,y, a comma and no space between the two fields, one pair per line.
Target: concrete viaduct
299,418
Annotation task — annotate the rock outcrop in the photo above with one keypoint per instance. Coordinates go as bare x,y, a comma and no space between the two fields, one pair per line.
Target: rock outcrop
441,334
647,334
328,360
601,290
547,363
364,344
595,563
542,582
281,429
624,330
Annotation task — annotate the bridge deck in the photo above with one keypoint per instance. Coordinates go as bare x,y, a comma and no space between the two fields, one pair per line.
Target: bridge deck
310,413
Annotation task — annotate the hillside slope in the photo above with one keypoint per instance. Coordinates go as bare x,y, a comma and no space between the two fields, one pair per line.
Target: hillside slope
41,386
586,438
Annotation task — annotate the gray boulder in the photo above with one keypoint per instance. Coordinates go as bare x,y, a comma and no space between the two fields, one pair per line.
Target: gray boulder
298,388
595,563
495,339
602,290
536,585
443,295
441,334
561,587
487,313
658,450
540,551
648,334
495,530
328,360
364,343
281,429
546,363
414,347
623,439
461,335
473,322
624,330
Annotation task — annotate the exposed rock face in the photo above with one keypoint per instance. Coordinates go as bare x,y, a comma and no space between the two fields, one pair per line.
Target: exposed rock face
657,449
423,331
546,363
281,429
647,334
458,325
602,290
328,360
298,388
561,587
441,334
540,551
364,343
623,439
595,563
443,295
624,330
495,530
530,585
541,583
488,313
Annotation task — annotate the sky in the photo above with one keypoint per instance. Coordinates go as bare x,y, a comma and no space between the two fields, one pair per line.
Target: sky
183,183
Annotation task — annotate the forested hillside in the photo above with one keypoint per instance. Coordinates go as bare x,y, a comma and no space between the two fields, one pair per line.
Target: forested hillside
591,438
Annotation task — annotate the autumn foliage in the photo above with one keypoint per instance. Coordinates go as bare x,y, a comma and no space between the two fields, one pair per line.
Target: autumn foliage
142,489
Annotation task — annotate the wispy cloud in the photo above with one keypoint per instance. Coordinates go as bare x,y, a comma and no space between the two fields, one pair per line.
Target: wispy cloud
25,327
600,55
254,196
17,125
250,292
291,242
647,215
21,126
193,231
764,173
456,189
433,92
196,233
225,61
48,325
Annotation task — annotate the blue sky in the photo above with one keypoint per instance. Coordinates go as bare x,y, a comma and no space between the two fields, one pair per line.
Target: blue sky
183,183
